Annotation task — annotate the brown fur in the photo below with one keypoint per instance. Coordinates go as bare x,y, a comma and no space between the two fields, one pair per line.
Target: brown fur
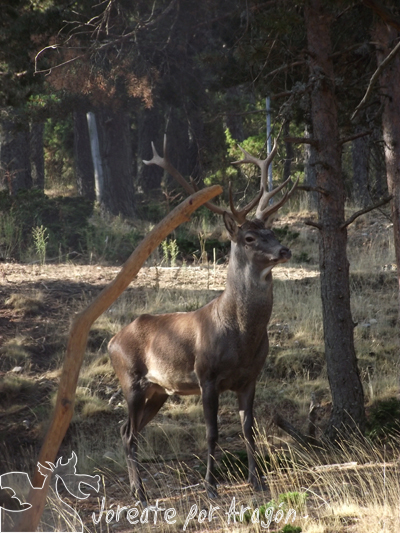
220,347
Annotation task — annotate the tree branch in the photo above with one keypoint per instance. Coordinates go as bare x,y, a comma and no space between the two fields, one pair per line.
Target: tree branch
301,140
374,79
384,13
366,210
309,188
166,11
289,93
285,67
355,136
313,224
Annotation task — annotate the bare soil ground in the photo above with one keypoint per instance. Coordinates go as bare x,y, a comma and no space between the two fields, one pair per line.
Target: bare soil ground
37,304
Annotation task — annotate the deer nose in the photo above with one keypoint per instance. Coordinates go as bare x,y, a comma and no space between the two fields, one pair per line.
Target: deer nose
285,253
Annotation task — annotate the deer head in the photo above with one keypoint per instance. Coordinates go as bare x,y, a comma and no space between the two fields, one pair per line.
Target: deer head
259,246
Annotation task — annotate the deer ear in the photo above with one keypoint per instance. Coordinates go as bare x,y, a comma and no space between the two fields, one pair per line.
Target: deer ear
231,226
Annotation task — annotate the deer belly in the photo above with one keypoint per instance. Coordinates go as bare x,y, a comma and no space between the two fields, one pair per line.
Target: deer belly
182,384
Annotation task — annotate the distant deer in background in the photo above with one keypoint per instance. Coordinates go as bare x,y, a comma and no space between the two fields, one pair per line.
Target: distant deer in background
221,346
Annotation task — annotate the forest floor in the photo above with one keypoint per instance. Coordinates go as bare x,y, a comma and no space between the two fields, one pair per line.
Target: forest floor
346,489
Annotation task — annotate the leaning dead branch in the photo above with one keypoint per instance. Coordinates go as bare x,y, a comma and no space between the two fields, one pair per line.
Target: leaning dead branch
80,328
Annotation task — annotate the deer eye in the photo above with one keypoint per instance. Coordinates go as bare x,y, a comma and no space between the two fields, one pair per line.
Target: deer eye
249,239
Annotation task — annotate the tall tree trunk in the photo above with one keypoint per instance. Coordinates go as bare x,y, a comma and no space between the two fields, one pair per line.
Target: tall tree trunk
37,154
310,177
150,129
390,82
15,164
234,122
84,171
116,156
360,159
97,159
344,379
287,166
179,151
380,187
196,144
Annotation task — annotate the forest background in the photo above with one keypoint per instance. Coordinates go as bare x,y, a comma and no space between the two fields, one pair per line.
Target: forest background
86,87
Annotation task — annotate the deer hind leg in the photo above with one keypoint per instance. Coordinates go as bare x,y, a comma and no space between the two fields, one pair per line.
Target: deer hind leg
141,411
246,399
151,408
210,407
129,433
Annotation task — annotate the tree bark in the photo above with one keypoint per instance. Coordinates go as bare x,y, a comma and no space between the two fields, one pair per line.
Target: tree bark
390,83
378,167
37,154
347,393
234,122
310,177
96,157
180,147
150,129
116,156
196,144
287,165
15,163
84,172
360,159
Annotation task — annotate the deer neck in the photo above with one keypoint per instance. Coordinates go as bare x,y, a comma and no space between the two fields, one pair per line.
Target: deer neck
247,299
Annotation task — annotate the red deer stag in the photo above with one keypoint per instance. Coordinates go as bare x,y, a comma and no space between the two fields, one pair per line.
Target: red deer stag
221,346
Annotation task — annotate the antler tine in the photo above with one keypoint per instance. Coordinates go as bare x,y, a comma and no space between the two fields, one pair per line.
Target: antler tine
240,215
164,163
268,195
263,164
265,211
156,159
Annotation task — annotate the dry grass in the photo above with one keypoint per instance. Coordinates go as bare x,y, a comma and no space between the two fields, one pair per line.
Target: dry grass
357,498
26,305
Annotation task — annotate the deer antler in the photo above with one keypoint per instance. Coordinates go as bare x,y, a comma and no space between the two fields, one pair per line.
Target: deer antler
163,162
262,163
264,210
240,216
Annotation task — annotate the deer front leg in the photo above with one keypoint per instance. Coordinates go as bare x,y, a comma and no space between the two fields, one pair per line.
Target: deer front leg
246,399
210,407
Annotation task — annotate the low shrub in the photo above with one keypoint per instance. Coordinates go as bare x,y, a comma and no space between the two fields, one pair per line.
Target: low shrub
63,218
383,421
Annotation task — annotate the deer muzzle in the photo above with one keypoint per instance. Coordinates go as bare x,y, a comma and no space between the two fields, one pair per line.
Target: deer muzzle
284,254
